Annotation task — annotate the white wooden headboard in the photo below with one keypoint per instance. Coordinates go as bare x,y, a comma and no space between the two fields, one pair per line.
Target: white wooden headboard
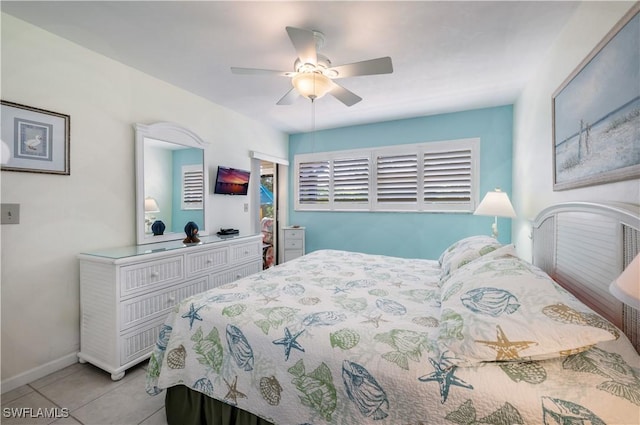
584,246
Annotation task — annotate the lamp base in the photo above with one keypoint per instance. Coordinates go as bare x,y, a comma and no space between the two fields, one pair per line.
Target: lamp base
494,228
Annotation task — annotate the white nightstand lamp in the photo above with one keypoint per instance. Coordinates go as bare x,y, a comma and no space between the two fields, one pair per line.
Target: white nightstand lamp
626,287
495,204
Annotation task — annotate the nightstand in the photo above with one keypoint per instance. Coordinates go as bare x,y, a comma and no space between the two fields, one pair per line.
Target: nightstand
293,242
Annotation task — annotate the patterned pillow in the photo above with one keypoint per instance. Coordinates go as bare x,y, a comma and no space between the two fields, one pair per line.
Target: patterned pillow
501,308
463,252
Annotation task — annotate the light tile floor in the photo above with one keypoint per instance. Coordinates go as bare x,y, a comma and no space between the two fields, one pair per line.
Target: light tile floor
88,395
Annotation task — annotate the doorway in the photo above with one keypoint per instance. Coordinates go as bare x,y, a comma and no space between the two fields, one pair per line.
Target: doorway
268,213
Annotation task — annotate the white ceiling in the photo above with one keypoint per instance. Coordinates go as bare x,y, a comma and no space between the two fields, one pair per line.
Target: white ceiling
447,56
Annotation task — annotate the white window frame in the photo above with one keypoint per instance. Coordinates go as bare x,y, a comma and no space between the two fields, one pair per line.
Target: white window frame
198,204
471,145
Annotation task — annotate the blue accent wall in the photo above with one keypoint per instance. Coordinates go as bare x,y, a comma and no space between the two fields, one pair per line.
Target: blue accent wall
409,234
181,217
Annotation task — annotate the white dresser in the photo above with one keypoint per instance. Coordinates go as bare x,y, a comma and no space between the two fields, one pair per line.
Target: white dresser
126,293
293,242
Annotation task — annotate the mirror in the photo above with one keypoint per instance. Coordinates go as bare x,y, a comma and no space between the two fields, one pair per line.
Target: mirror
171,182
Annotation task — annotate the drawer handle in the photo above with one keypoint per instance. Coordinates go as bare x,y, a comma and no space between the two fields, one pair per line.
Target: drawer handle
238,276
155,274
171,300
209,261
246,253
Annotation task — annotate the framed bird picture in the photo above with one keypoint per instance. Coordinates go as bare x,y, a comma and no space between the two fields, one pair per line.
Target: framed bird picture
34,140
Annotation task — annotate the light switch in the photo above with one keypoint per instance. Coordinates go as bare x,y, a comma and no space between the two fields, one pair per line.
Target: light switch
10,213
246,207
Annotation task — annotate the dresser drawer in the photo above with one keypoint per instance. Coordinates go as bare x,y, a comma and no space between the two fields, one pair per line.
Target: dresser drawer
290,254
234,274
138,310
293,234
204,261
242,252
139,342
150,275
293,244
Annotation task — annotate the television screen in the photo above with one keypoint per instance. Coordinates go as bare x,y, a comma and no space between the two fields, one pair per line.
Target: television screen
231,181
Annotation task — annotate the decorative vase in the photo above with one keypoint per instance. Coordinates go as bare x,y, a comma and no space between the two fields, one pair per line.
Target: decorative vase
158,228
191,230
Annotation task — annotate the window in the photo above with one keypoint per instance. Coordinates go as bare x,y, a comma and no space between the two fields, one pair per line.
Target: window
192,187
351,180
434,177
313,182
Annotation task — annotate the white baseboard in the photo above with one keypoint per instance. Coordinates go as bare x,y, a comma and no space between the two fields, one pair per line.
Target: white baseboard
38,372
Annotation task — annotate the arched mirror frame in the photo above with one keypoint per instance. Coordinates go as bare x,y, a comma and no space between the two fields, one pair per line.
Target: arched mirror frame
170,133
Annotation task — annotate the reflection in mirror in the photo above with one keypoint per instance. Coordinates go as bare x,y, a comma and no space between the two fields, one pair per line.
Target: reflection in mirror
171,182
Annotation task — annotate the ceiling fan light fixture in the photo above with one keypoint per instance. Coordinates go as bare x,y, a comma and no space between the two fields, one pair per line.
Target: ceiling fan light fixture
311,85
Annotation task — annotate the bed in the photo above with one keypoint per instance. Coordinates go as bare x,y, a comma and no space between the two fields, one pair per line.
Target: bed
475,336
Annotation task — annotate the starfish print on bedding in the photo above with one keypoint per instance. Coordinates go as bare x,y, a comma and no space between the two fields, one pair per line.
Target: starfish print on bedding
233,394
444,374
505,349
267,299
289,342
375,320
192,315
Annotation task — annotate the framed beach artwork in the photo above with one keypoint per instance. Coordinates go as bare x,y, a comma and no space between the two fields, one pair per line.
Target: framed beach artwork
34,140
596,112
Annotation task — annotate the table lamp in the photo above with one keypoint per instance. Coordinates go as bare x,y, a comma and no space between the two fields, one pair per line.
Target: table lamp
626,287
150,206
496,204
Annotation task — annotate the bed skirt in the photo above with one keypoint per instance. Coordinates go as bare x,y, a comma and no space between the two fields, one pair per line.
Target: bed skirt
185,406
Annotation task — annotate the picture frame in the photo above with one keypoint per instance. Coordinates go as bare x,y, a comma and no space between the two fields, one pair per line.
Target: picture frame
596,112
34,140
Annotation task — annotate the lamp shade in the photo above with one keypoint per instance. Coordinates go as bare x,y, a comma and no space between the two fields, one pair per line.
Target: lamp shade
150,205
311,85
496,204
626,287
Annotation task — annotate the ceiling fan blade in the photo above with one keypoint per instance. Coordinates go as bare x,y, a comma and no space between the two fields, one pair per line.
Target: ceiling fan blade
289,98
369,67
305,44
256,71
343,95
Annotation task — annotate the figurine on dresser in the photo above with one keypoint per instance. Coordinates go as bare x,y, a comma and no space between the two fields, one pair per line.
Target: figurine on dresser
191,230
158,228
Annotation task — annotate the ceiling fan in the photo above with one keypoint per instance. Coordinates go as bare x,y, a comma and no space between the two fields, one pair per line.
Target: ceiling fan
313,76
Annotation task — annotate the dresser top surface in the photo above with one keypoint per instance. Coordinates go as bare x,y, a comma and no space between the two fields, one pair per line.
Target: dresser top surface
162,247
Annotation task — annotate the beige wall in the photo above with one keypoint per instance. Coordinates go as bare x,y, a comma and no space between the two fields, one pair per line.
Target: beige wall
92,208
532,150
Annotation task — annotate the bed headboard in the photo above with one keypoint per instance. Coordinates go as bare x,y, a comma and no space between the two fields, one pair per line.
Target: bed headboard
584,246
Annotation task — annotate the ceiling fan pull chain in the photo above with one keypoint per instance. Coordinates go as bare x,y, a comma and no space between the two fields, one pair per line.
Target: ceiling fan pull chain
313,126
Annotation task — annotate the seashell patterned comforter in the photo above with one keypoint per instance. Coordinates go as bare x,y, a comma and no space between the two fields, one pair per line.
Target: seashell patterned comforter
346,338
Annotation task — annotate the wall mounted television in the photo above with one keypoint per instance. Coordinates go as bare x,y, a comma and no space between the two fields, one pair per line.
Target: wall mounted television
231,181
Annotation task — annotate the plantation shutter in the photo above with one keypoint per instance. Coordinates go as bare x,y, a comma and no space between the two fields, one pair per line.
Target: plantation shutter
448,176
351,180
313,182
437,176
192,187
396,178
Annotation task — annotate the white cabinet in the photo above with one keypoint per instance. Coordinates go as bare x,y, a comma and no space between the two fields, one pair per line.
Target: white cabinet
293,242
126,293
